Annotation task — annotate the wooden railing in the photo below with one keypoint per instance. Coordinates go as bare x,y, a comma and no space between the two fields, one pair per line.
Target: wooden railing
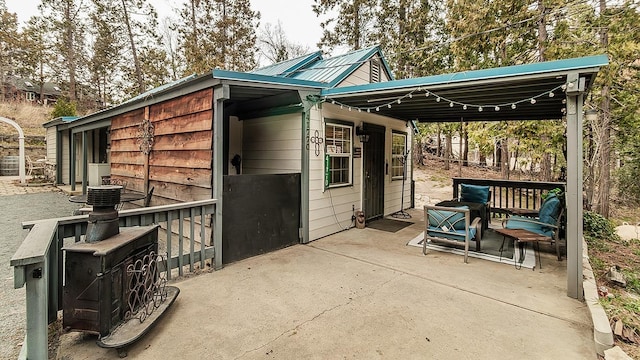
38,261
511,193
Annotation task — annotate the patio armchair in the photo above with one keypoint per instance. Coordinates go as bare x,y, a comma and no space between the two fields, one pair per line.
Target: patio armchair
548,222
451,226
477,197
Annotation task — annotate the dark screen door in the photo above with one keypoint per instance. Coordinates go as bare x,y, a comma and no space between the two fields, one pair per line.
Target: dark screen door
373,168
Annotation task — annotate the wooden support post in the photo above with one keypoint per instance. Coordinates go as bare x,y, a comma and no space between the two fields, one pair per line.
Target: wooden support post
37,299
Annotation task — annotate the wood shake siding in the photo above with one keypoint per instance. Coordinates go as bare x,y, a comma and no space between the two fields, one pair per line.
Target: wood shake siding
179,165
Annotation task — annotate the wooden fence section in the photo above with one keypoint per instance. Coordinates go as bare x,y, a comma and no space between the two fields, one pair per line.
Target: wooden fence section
179,165
511,193
38,262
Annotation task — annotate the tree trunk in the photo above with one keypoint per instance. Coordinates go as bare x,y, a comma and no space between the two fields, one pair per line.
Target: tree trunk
447,156
70,52
439,144
134,53
504,160
497,159
465,149
605,155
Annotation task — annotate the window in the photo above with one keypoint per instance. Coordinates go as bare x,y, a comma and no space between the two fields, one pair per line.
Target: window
398,155
338,158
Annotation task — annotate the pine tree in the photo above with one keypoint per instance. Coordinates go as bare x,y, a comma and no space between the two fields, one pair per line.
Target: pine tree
65,24
217,34
8,43
353,27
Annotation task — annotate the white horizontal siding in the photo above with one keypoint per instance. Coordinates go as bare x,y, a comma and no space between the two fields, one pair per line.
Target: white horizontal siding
330,210
359,77
272,145
51,144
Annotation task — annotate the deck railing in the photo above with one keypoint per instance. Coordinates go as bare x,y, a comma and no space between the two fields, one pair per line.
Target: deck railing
511,193
38,261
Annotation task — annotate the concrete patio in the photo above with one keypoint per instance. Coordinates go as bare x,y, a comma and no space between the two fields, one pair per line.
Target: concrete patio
364,294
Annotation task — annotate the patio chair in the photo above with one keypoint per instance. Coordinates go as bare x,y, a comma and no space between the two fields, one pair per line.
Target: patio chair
548,222
451,226
477,197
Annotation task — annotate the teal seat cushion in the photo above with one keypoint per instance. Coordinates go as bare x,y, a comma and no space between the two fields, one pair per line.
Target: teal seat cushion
450,219
520,222
474,193
457,235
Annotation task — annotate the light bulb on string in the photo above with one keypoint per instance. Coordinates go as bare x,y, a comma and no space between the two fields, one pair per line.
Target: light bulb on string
533,101
464,107
551,94
340,106
438,99
479,108
378,109
399,101
368,110
410,96
451,104
333,102
359,110
389,106
513,106
497,108
426,94
349,108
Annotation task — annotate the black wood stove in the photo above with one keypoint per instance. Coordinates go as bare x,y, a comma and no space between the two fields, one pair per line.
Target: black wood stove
113,276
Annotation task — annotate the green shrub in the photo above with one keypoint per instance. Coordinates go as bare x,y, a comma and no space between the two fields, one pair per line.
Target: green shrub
597,226
63,107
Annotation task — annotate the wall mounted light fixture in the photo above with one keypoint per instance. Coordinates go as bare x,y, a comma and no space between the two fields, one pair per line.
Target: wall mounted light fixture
361,133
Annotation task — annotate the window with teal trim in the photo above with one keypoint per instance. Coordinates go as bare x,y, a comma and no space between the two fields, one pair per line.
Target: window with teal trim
398,150
338,161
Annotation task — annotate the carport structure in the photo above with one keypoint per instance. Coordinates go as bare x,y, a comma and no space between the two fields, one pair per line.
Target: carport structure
551,90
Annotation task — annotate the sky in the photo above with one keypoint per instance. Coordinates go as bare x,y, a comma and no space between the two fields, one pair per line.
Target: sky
299,22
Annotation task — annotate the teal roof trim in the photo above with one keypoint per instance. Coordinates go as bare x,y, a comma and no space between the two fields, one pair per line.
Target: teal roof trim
250,77
334,70
284,68
477,75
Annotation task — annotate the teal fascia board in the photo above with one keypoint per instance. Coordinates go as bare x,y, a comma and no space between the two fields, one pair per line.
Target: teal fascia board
477,75
241,76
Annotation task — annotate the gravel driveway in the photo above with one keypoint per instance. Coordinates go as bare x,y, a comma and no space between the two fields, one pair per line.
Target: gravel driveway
15,209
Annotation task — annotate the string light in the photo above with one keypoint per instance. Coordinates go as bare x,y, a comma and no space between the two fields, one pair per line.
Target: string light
451,102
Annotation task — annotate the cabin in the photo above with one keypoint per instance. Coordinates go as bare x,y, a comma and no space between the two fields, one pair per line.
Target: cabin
293,150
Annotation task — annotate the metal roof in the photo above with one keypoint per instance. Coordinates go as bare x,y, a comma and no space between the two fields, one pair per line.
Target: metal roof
503,93
288,67
333,70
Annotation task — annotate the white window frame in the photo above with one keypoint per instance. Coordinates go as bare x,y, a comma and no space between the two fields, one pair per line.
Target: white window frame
397,167
338,147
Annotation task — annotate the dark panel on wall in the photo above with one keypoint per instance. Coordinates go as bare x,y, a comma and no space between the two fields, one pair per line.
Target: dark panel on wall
261,214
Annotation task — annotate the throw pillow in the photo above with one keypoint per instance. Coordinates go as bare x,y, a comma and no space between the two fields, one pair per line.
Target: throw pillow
474,193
